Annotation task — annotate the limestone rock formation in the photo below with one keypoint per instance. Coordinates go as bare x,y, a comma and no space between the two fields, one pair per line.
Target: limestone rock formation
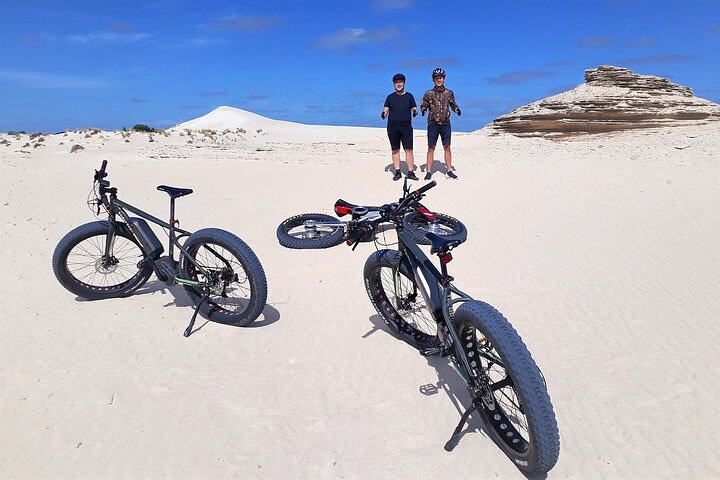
613,98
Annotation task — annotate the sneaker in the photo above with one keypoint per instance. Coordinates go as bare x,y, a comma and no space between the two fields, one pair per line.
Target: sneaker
451,174
428,175
397,175
412,176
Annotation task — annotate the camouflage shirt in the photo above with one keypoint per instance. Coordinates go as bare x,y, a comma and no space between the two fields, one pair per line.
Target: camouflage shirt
439,101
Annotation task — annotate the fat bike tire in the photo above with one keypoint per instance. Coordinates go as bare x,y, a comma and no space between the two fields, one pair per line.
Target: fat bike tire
292,232
518,413
79,265
446,226
238,286
397,299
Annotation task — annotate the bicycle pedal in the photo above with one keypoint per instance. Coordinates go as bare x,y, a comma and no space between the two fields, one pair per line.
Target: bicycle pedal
429,389
430,351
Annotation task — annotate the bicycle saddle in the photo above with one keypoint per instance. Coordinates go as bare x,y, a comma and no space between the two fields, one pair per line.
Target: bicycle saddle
343,208
175,192
440,244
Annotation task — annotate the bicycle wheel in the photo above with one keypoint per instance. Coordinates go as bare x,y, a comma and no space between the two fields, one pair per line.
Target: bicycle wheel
79,264
515,402
417,226
393,292
295,233
236,281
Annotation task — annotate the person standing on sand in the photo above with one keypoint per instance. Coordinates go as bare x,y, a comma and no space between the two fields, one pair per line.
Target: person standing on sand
398,107
437,103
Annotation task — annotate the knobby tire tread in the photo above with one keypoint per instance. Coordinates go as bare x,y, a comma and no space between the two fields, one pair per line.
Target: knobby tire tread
74,285
418,235
252,266
391,259
288,241
527,379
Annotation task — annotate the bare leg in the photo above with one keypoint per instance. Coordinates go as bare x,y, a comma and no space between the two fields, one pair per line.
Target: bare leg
448,157
396,159
430,155
410,159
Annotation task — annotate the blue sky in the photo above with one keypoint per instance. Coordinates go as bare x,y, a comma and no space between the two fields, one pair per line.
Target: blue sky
76,64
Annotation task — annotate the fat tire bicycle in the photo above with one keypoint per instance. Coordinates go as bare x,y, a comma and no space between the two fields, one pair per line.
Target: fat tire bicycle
318,230
114,257
421,306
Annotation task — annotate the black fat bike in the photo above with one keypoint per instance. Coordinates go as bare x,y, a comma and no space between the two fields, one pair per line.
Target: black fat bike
317,230
114,257
420,305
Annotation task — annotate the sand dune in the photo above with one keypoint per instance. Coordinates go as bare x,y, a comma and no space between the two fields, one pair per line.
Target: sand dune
602,252
234,119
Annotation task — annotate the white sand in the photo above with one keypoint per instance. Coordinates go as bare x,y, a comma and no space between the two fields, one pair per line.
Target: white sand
603,253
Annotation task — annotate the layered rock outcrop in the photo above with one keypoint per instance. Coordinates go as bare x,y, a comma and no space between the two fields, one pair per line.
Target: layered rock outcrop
613,98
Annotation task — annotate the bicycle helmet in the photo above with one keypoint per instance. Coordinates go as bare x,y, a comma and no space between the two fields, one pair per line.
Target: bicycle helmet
438,72
398,77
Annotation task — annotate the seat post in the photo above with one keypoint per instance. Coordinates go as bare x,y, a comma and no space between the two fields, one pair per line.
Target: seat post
172,210
443,269
171,246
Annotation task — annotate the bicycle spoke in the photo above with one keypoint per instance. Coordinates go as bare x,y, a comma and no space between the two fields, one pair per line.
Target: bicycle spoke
500,382
85,262
233,294
408,301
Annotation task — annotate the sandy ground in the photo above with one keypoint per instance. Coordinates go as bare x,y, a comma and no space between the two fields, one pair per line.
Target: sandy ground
603,253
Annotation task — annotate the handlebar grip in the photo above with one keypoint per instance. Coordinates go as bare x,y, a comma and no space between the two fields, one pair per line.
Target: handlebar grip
425,188
100,174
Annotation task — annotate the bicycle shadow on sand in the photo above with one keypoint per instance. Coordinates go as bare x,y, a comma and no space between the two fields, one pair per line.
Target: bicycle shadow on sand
268,316
451,383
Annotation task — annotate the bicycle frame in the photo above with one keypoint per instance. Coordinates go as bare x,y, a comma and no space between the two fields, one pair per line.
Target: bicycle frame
117,207
359,214
172,229
436,289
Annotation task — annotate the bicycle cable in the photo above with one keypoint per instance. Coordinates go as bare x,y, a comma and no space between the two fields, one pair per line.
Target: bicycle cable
93,201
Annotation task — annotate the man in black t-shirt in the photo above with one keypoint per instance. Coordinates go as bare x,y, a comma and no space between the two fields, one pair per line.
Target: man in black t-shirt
398,107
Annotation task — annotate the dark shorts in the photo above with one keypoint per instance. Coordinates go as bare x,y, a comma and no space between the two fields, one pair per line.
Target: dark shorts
435,130
400,132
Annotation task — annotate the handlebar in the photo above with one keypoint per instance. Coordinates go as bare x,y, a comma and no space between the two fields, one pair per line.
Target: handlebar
100,174
425,188
387,211
415,196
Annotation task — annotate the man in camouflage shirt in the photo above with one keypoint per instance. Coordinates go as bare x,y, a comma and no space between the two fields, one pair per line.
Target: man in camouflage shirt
437,103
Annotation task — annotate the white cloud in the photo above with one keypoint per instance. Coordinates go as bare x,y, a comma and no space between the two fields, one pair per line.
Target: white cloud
346,39
107,37
198,42
51,80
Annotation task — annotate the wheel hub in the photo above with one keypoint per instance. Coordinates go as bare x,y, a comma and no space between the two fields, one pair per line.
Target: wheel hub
310,229
106,267
220,279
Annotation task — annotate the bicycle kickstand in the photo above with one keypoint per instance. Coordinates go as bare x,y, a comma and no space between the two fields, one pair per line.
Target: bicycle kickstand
189,328
455,438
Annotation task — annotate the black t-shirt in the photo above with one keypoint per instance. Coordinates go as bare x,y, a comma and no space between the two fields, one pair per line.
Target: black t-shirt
400,106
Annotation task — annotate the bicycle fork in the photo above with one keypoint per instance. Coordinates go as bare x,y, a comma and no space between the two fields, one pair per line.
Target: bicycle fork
109,247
